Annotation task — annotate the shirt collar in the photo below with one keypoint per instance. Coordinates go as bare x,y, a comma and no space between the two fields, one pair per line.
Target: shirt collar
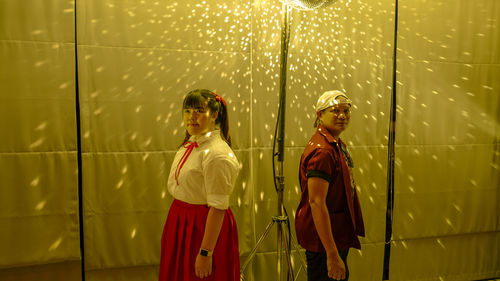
206,137
324,132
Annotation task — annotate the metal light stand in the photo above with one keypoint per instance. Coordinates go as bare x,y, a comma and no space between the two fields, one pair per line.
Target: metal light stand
280,219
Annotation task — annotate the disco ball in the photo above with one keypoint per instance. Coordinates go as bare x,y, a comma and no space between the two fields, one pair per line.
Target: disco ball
308,4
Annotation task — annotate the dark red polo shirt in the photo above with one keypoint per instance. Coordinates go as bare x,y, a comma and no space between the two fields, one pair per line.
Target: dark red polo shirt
324,158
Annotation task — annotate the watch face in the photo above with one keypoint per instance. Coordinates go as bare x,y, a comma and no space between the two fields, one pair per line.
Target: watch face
205,253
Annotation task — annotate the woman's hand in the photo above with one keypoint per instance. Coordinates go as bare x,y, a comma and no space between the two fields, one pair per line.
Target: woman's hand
203,266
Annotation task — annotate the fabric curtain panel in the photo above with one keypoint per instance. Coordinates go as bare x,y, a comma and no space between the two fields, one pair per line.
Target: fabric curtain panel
39,228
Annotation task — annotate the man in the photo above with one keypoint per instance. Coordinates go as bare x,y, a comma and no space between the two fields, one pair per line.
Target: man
328,220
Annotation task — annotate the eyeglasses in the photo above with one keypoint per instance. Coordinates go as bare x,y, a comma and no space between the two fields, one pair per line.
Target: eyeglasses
338,111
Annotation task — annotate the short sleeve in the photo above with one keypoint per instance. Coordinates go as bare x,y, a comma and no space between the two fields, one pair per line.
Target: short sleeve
220,174
321,165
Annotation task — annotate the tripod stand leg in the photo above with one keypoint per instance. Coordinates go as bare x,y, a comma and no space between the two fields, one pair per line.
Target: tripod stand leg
295,244
287,253
280,250
254,250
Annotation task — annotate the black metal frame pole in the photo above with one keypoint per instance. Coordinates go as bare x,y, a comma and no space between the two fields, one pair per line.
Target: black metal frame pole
79,148
391,154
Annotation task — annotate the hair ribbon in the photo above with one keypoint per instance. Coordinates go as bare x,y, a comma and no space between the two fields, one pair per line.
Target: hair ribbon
219,99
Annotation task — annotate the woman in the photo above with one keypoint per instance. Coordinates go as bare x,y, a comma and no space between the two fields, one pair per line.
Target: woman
200,239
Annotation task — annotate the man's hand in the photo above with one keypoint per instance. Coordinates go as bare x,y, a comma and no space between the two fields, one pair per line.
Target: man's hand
203,266
335,267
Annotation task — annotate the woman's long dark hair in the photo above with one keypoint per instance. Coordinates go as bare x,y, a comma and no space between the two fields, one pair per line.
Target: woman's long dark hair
201,98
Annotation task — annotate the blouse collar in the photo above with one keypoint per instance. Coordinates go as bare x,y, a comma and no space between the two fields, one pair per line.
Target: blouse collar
206,137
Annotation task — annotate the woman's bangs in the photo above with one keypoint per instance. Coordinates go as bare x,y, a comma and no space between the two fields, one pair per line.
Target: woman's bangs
194,100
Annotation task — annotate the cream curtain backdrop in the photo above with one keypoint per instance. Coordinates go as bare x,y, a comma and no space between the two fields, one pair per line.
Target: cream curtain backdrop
38,149
136,60
447,142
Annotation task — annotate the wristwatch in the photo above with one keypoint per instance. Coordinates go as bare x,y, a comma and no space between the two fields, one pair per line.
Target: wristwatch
206,253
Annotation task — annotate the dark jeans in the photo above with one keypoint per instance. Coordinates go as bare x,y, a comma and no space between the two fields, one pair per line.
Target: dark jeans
316,266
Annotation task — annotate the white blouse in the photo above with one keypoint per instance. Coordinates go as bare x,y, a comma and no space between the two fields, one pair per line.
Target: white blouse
208,175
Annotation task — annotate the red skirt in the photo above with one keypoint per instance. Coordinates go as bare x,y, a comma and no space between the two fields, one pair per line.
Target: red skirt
181,242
